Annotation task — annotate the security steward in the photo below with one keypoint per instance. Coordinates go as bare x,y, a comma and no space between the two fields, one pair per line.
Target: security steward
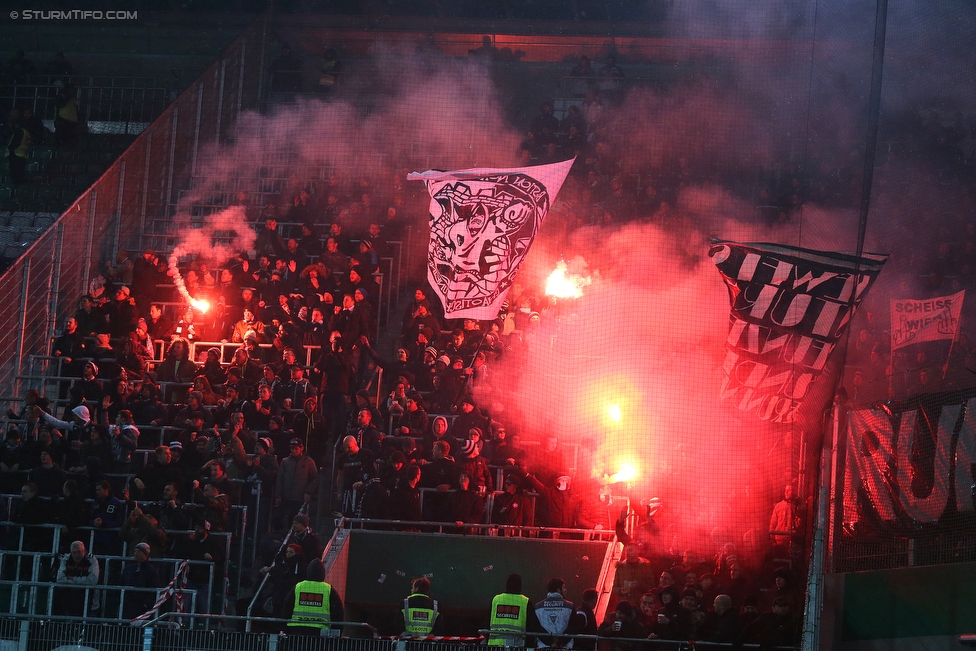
315,606
554,614
419,616
512,615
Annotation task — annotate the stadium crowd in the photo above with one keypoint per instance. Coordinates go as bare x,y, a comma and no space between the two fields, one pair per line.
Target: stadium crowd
153,439
155,444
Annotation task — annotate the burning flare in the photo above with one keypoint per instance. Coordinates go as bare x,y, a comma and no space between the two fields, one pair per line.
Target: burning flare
563,285
199,305
626,473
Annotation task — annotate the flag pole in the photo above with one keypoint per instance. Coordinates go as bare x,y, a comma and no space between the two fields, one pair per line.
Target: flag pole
465,380
955,333
891,368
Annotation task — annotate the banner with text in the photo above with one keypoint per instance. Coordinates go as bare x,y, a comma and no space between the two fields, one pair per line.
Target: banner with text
914,321
912,463
789,306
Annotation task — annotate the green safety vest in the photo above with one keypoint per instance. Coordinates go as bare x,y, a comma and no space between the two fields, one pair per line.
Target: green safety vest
69,111
312,605
418,621
21,141
509,614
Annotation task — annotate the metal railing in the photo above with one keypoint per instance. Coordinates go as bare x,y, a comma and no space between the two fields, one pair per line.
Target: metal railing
488,529
645,643
40,598
167,633
100,99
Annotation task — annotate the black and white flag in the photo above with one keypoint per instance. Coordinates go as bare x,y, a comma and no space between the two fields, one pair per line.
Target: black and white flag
482,222
789,307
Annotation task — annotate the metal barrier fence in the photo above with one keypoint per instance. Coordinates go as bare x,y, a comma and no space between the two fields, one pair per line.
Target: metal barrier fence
23,634
46,281
489,529
100,99
43,598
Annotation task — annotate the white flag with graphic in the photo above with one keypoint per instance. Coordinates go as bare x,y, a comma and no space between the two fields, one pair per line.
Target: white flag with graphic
482,223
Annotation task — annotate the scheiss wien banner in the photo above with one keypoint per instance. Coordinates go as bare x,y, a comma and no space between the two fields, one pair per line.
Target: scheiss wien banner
916,320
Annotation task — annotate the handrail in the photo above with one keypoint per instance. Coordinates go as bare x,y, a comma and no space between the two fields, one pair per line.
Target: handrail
104,589
685,644
608,573
588,534
244,618
254,599
42,79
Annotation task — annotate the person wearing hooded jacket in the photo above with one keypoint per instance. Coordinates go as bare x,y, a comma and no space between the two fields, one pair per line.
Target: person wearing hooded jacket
314,606
622,623
512,615
77,430
287,570
561,508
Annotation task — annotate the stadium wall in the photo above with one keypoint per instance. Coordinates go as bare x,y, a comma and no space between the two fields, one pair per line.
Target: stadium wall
909,608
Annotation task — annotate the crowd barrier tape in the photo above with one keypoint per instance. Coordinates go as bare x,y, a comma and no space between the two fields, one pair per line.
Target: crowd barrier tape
174,590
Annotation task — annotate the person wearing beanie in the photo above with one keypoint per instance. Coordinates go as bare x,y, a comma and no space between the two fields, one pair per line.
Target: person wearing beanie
422,366
414,421
303,536
211,369
201,546
284,573
421,321
622,623
748,611
688,621
314,606
142,528
783,588
778,627
297,482
88,390
140,573
475,466
512,615
469,416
